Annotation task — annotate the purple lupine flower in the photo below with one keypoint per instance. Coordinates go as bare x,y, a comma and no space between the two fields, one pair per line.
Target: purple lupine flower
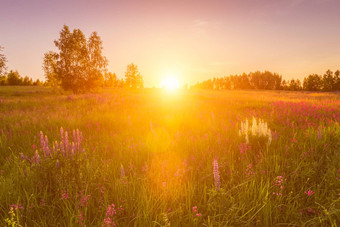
62,150
24,157
47,151
47,148
61,133
66,144
36,157
56,147
78,140
42,141
216,174
74,135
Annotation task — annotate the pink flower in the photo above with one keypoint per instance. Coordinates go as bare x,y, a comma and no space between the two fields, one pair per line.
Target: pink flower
195,210
65,195
309,192
17,206
110,216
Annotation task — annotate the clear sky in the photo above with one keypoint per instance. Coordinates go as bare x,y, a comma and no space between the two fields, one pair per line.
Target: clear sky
192,39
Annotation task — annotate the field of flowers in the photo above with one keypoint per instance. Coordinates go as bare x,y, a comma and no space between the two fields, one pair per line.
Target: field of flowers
151,158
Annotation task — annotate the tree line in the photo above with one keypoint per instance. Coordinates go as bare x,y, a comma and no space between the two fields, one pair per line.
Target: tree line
266,80
13,78
79,65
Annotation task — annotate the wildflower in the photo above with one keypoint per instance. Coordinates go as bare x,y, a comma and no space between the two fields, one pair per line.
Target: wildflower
249,170
36,158
42,202
309,192
259,128
278,182
216,174
195,211
65,195
84,200
17,207
310,210
80,218
109,216
244,148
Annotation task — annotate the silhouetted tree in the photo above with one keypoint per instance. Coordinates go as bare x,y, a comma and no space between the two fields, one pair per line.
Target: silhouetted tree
295,85
337,80
79,65
328,81
27,81
14,78
37,83
312,83
133,78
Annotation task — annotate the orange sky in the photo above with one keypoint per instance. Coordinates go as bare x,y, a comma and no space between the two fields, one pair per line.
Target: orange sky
194,40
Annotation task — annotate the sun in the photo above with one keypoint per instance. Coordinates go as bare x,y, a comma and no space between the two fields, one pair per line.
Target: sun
170,83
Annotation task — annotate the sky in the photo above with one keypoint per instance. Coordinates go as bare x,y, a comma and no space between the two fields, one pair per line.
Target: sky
193,40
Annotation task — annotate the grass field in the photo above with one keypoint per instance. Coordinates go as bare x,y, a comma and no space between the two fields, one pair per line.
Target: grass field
152,158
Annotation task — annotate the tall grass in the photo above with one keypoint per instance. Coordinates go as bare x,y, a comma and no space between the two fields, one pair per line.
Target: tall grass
149,158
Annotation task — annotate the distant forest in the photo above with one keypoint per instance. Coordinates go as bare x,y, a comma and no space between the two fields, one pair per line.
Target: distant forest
272,81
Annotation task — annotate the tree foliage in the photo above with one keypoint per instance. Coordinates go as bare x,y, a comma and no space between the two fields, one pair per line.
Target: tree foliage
50,68
79,65
3,61
111,80
272,81
133,78
13,78
312,82
253,80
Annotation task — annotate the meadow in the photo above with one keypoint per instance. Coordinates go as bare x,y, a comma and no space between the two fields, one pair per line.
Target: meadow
148,157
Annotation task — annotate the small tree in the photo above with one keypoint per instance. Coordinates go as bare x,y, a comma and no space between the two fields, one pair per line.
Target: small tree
328,81
79,65
50,68
14,78
312,83
3,61
133,78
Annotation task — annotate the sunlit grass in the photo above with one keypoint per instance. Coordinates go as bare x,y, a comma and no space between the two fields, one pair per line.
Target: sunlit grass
152,156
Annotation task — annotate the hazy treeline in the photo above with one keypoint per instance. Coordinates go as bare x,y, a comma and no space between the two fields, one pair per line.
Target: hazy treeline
80,66
13,78
272,81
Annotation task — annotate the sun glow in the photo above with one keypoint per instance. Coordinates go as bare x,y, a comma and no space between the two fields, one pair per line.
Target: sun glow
170,83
